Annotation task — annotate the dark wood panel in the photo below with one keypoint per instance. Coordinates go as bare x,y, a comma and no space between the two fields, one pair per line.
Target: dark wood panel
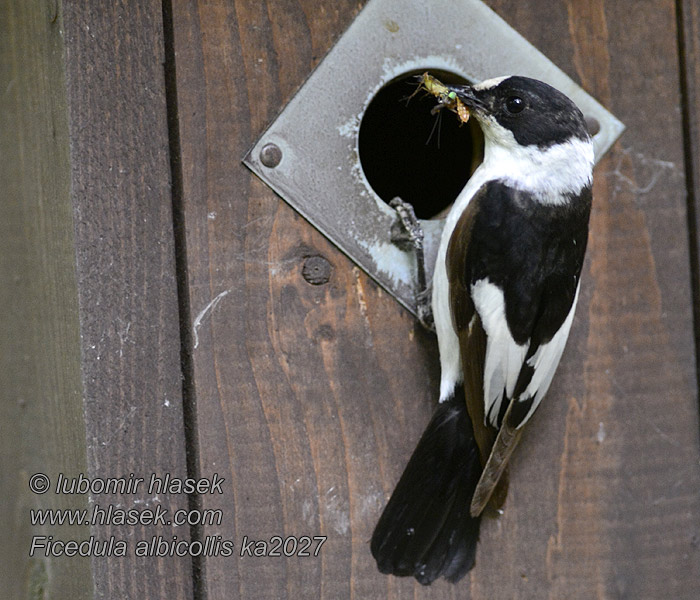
311,398
127,293
653,513
689,13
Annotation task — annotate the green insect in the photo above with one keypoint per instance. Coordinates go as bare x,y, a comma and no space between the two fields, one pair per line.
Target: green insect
446,98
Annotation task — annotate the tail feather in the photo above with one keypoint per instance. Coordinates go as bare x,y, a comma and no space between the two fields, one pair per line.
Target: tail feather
426,529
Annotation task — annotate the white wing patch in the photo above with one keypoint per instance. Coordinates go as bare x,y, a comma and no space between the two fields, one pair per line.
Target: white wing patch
504,357
546,360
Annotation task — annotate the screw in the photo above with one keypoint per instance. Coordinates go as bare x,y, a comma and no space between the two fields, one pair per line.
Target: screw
270,155
593,125
316,270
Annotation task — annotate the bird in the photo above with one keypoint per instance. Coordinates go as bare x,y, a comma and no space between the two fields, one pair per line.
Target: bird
504,292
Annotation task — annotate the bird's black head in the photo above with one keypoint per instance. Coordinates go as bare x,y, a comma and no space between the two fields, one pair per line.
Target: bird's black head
535,113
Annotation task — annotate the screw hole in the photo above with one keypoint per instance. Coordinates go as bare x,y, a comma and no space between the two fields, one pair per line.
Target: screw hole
404,152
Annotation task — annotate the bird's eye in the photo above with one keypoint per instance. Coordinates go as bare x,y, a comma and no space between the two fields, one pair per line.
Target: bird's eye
515,104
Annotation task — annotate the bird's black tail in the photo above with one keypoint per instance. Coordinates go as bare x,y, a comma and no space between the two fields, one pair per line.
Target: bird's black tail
426,530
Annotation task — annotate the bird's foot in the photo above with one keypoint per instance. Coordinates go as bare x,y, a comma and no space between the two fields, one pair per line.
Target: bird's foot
407,234
424,308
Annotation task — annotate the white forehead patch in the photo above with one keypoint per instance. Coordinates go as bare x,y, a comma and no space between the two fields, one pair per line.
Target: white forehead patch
490,83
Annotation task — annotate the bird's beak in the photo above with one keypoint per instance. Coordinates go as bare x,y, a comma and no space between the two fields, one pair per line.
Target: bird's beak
467,94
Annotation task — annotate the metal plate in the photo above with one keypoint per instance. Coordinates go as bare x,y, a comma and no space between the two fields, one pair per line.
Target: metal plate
319,171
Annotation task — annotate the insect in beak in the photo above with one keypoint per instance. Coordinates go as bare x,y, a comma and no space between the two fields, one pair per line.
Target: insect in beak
446,97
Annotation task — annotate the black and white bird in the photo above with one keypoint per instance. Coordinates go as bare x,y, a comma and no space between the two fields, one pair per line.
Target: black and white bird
505,288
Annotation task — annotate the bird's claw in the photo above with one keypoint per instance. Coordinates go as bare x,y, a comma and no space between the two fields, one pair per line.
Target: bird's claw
424,309
407,234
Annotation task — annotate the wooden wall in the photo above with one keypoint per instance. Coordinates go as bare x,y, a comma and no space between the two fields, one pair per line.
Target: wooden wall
158,320
41,407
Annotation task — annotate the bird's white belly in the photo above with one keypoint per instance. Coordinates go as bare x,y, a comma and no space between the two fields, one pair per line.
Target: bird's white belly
448,342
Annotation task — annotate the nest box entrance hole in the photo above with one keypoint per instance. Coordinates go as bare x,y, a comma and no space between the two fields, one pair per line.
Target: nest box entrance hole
406,151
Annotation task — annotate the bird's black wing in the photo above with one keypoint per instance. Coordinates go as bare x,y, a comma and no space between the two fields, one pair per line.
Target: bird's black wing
513,266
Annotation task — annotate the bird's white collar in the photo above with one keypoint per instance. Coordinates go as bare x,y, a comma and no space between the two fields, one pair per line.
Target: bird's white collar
551,174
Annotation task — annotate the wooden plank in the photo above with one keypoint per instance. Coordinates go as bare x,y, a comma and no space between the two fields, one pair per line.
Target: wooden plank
689,23
126,280
311,398
41,410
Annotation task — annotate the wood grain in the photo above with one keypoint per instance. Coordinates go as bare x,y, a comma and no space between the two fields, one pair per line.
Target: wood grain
689,46
41,408
126,281
310,398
